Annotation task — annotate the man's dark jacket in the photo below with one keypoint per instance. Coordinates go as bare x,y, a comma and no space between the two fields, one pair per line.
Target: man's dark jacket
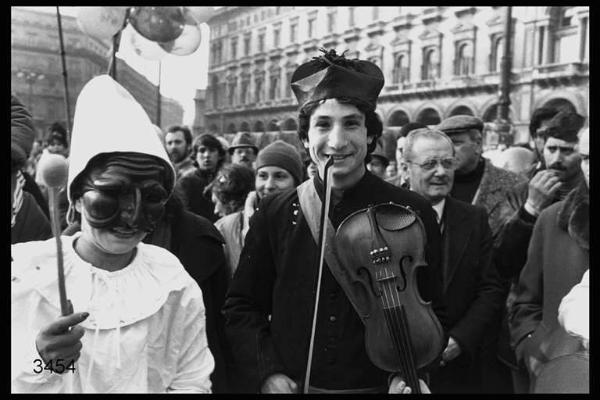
269,306
473,293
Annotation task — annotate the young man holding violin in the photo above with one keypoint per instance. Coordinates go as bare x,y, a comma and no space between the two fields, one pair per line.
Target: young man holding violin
274,332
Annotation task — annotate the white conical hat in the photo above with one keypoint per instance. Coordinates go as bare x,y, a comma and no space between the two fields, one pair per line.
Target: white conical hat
109,120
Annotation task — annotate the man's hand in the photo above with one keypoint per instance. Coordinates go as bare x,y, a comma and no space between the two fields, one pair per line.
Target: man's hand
279,383
398,386
61,339
451,351
542,189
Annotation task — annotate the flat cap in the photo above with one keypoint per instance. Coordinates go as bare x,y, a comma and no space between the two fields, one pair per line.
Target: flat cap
459,124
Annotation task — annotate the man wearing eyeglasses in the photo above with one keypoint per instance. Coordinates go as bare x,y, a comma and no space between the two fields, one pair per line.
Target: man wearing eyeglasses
527,200
472,291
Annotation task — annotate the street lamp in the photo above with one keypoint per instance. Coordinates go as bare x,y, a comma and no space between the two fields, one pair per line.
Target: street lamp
502,125
30,77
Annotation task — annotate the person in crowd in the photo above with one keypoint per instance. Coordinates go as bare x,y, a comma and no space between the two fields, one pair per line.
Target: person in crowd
278,168
557,256
538,123
269,305
473,293
57,140
135,319
379,162
209,156
519,160
178,142
523,206
400,179
28,220
230,188
477,181
391,170
243,149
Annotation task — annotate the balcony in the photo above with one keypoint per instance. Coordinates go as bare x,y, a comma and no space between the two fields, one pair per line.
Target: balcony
330,40
376,28
555,70
351,34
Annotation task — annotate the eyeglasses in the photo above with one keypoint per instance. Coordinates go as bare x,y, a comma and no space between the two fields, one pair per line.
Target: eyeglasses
447,163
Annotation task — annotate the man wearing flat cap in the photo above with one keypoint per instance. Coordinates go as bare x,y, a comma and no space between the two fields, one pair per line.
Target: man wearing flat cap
270,305
527,200
243,149
479,182
378,162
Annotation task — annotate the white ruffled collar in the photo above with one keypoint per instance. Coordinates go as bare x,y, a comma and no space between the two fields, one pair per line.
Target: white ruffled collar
119,298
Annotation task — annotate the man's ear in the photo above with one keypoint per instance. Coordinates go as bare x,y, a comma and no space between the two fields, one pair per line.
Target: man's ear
370,139
78,205
305,143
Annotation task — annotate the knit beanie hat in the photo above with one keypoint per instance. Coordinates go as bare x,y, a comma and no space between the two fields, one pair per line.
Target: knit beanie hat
22,132
283,155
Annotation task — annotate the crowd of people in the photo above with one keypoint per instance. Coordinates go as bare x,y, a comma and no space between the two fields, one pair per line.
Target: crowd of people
192,264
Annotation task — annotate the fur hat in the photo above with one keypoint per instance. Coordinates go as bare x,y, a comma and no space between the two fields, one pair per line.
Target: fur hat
332,76
283,155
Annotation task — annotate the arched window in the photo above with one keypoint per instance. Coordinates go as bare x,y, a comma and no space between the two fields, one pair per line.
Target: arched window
461,110
398,118
430,68
429,117
401,70
464,59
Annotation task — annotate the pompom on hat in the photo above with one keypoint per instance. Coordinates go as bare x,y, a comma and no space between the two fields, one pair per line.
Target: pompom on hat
283,155
332,76
108,119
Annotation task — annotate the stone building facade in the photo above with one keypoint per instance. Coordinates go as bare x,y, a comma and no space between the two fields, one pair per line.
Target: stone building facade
437,62
36,69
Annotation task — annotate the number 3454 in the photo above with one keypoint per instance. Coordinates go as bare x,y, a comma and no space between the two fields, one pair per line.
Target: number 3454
59,366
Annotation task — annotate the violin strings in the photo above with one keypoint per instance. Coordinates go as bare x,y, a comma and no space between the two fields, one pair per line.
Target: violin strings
396,327
405,333
401,325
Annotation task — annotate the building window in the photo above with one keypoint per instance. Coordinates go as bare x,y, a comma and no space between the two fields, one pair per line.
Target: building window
261,42
234,48
276,36
375,13
401,70
496,55
463,62
293,31
247,45
274,90
350,16
430,67
258,90
244,92
331,22
312,19
232,93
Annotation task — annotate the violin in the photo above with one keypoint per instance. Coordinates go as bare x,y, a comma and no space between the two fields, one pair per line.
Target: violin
381,248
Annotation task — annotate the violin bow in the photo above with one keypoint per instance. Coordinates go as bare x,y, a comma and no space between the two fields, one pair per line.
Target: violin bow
322,238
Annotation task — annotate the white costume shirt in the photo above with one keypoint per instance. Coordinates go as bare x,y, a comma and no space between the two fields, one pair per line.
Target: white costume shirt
574,310
145,332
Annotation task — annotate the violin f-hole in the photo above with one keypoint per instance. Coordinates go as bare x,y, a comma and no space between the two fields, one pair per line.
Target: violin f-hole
404,282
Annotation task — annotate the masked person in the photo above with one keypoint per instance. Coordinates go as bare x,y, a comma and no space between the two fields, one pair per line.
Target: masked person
139,321
269,305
